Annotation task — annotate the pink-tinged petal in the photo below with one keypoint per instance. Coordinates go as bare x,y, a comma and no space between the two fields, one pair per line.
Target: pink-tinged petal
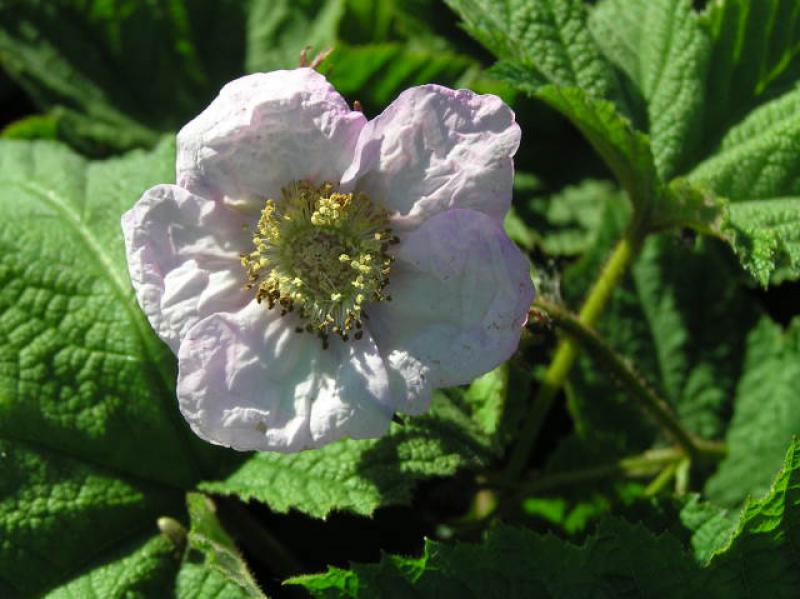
249,381
265,131
460,291
434,149
183,258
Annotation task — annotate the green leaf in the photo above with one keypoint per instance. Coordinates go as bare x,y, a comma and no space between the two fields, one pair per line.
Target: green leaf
766,413
661,47
544,42
618,559
757,169
132,66
278,30
567,223
762,555
79,360
686,322
758,158
765,234
626,151
360,476
662,50
711,527
88,418
755,44
122,73
144,568
58,514
212,566
37,126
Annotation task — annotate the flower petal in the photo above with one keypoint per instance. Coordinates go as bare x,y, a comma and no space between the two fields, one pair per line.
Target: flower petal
249,381
434,149
183,258
265,131
460,297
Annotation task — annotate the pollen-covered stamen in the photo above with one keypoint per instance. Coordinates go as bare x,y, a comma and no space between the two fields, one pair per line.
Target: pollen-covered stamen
322,254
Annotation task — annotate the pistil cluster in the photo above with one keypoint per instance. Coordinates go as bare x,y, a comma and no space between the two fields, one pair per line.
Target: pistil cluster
321,254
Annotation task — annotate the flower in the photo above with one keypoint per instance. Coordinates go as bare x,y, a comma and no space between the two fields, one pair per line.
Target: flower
316,273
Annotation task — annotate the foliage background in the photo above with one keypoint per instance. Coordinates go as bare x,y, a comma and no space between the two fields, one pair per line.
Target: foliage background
103,492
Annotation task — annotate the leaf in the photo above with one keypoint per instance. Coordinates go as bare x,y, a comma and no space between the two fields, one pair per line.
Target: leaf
567,223
757,159
278,30
765,234
133,66
544,42
755,44
145,568
80,363
618,559
360,476
711,526
212,566
88,417
58,514
37,126
661,47
686,323
122,73
626,151
762,555
766,414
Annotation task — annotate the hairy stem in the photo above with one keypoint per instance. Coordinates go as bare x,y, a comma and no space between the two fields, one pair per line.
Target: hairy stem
623,373
567,352
637,466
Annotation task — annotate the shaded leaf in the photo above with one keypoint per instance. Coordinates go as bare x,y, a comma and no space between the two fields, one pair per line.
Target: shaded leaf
766,415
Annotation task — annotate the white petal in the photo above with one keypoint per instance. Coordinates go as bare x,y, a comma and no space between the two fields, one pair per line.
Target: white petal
460,291
265,131
434,149
249,381
183,257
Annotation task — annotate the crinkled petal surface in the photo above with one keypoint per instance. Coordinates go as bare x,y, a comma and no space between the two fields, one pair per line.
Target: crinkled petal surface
265,131
460,297
183,258
249,381
434,149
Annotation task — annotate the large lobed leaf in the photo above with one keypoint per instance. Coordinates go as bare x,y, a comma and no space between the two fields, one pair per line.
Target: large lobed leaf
546,41
711,88
93,448
619,559
660,46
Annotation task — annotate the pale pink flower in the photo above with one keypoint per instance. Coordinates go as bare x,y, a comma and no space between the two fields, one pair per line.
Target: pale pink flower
379,246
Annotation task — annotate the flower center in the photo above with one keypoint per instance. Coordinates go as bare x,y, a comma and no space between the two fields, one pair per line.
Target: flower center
322,253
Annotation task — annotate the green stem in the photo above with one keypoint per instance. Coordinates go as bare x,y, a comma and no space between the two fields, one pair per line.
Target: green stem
641,465
567,352
622,372
662,480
